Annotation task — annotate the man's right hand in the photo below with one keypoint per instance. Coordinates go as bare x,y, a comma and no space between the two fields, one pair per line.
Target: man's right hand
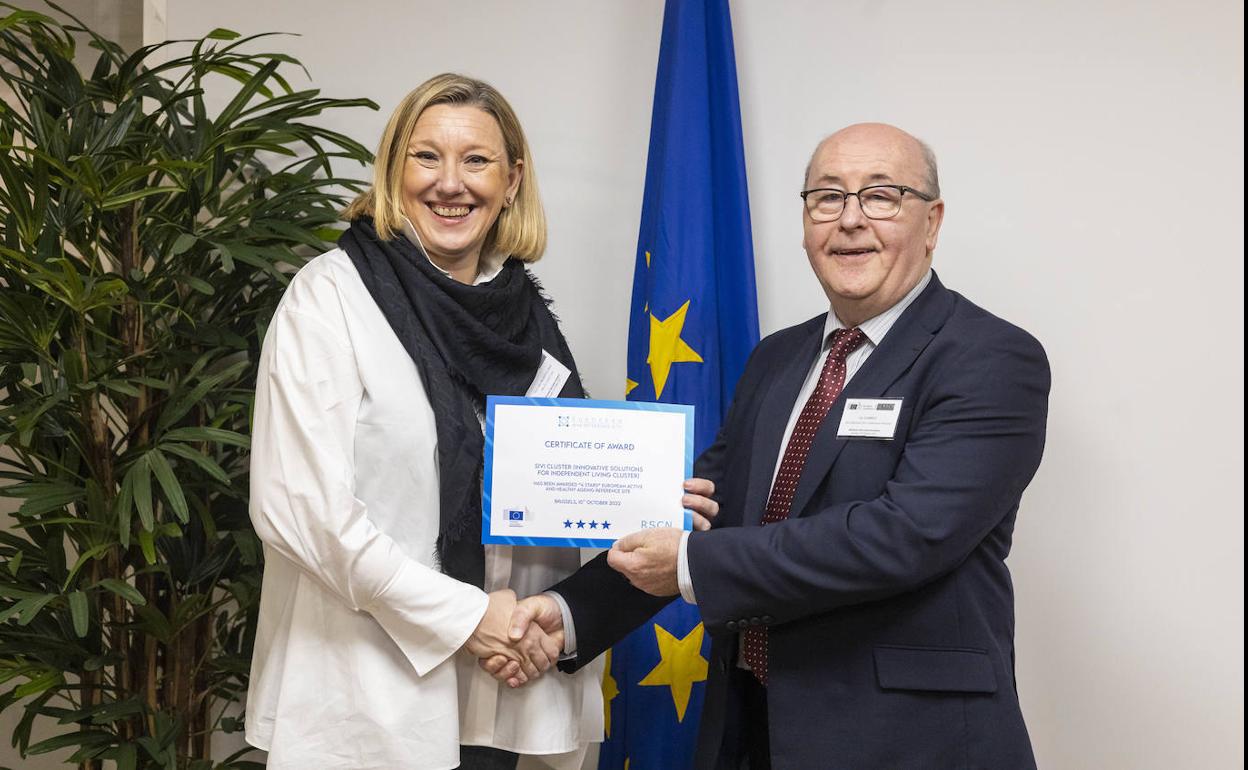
522,659
536,622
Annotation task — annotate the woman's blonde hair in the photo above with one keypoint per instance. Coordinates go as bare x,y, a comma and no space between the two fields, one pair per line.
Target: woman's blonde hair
521,227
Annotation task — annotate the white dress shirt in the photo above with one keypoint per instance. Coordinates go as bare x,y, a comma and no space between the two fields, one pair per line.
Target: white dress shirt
357,659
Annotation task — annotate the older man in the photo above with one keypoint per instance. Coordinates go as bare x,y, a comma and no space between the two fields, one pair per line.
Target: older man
869,474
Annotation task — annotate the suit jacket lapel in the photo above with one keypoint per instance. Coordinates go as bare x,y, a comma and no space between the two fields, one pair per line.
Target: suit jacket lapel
773,418
901,346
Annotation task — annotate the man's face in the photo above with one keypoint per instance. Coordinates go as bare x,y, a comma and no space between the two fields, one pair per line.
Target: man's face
867,265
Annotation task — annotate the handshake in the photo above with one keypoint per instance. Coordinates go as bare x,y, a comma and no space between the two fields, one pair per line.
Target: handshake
518,641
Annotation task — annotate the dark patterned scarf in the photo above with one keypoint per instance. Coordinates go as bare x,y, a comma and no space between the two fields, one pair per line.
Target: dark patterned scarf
467,342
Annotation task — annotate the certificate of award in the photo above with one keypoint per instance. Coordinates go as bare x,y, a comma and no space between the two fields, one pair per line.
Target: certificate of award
583,473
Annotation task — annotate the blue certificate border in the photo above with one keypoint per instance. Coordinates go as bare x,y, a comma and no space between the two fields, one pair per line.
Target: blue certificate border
568,403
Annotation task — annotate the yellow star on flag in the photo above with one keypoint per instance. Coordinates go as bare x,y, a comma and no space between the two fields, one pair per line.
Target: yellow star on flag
667,348
629,385
609,690
680,665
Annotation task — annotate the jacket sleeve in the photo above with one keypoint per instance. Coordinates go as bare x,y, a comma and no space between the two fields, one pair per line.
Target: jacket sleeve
605,607
303,504
963,470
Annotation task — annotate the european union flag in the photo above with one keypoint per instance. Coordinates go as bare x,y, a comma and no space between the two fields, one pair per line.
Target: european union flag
694,321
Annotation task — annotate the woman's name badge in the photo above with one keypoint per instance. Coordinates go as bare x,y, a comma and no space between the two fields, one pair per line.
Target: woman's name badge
551,376
582,473
869,418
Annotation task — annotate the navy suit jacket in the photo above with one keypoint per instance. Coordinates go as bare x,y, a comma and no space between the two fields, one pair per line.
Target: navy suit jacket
888,602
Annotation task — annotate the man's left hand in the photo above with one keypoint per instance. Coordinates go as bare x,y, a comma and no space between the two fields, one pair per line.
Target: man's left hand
648,559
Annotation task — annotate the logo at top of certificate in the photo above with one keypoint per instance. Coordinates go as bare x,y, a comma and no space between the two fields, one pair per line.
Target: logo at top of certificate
582,422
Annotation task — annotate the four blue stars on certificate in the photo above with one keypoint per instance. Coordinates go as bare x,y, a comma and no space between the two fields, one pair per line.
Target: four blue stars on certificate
580,524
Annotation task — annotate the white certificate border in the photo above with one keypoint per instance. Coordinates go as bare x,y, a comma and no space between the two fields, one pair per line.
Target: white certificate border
568,403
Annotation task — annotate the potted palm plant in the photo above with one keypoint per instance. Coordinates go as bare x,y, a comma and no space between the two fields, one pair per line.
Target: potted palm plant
144,242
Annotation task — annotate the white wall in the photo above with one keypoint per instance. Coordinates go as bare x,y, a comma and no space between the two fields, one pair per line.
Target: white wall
1092,163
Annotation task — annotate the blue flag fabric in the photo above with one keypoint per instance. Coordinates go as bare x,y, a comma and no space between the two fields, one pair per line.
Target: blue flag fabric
694,320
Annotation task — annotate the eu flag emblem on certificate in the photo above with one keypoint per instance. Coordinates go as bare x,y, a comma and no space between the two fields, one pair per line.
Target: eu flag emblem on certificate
582,473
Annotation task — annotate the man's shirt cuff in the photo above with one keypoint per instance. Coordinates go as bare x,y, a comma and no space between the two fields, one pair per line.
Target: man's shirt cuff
569,627
683,578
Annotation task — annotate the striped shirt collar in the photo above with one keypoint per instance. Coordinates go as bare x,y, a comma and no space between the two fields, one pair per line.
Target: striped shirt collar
875,328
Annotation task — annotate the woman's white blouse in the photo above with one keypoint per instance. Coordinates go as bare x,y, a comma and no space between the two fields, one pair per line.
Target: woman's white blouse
357,661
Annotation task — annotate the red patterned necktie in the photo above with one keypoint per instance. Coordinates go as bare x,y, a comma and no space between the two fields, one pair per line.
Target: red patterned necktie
831,381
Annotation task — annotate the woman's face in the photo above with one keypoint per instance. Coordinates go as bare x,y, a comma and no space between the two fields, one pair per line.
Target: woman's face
456,181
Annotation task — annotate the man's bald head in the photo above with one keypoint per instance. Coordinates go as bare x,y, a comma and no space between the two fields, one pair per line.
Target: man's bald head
898,141
880,243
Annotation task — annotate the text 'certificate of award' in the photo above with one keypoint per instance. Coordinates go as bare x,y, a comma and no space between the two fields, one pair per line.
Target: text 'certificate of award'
582,473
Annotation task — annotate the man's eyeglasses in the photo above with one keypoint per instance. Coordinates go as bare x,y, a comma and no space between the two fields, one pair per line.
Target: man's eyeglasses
881,201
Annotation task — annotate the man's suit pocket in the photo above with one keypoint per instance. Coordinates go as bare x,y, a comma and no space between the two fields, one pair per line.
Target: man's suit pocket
942,669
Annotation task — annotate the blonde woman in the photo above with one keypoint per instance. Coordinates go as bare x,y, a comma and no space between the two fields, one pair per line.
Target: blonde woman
378,596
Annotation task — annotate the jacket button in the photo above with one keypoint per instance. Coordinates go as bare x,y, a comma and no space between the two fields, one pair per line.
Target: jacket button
755,622
731,625
768,620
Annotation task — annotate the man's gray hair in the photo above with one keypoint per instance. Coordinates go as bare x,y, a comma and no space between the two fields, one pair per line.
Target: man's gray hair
929,160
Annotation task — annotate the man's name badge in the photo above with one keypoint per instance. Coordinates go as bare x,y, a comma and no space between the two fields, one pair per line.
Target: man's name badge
869,418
